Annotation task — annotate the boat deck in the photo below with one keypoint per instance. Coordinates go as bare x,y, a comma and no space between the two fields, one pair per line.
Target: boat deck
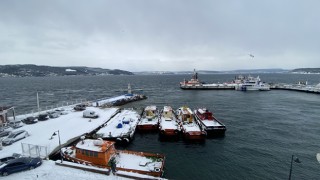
167,123
145,121
124,123
132,161
210,123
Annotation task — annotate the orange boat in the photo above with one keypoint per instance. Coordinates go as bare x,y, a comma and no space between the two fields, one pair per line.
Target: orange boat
102,154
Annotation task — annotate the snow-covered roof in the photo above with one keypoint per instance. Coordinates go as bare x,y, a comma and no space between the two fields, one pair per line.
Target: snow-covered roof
202,110
71,70
167,108
186,110
94,144
151,108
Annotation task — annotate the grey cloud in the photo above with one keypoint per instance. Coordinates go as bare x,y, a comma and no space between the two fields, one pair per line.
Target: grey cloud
140,35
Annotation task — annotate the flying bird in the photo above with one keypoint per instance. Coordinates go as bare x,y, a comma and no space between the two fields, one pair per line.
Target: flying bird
251,55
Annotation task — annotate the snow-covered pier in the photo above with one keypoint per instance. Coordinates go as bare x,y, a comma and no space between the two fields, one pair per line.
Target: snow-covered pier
297,87
118,100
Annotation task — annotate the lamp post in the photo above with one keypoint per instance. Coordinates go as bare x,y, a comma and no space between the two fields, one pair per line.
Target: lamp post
295,160
55,133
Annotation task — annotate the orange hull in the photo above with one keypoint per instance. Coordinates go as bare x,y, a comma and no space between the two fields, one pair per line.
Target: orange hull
195,136
148,127
143,154
169,132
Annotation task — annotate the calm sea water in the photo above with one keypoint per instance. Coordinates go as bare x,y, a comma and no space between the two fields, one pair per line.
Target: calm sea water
263,128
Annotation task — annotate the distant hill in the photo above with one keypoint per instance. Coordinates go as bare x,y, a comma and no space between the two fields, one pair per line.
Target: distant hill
30,70
306,70
244,71
275,70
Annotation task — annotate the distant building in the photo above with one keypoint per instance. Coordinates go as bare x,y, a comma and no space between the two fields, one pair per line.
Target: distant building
71,72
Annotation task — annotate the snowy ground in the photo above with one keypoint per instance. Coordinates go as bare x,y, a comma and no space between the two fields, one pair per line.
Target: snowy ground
49,171
70,126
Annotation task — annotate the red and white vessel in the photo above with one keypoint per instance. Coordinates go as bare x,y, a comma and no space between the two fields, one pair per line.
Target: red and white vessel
168,124
209,123
190,129
194,81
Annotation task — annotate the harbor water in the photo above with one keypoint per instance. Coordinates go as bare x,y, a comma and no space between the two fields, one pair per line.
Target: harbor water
264,129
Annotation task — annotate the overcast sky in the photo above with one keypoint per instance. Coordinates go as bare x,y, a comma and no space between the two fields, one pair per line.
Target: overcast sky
139,35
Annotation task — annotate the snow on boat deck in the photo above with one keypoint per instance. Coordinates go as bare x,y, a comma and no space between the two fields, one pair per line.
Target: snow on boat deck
145,121
131,161
191,127
70,126
111,128
211,123
168,124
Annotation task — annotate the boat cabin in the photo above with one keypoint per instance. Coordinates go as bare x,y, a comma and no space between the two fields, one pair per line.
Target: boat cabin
167,113
97,151
204,114
186,115
151,111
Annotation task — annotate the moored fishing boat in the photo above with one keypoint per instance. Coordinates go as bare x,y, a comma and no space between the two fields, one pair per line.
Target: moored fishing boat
149,120
168,124
121,127
102,154
208,122
190,129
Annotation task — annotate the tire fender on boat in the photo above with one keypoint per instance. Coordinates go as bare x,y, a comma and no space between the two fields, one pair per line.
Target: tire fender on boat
157,169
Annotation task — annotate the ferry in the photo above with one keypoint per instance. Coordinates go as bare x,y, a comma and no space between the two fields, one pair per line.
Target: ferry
121,127
190,129
149,120
195,84
102,154
252,84
168,124
208,122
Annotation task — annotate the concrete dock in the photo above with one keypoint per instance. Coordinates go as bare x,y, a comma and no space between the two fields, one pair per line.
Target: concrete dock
297,87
